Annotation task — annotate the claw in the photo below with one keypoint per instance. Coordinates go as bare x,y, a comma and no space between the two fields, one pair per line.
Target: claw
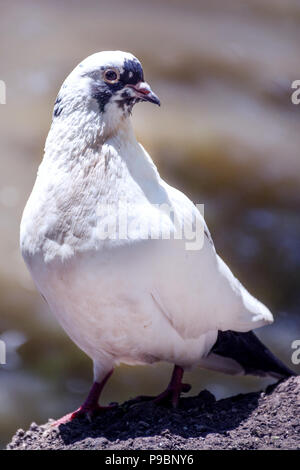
171,394
83,411
90,407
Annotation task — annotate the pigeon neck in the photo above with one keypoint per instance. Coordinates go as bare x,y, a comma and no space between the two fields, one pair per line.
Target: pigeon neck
116,125
74,138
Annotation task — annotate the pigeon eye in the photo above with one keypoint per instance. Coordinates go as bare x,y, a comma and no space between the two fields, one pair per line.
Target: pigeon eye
111,75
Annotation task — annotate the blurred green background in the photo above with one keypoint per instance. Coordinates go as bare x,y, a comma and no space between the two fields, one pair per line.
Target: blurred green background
227,134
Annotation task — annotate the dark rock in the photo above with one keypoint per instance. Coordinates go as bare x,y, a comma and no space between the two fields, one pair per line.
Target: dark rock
259,420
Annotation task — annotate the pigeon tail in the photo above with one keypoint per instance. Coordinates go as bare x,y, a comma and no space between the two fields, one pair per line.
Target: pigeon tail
250,353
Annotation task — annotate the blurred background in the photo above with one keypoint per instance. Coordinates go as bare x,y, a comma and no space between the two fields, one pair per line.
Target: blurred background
226,133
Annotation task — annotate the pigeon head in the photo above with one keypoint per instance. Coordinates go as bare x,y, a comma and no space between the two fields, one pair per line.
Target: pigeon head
108,82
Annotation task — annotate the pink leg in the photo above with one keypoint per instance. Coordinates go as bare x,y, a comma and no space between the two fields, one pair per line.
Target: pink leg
90,407
173,390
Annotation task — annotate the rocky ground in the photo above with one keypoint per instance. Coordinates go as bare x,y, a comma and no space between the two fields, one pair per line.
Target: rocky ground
262,420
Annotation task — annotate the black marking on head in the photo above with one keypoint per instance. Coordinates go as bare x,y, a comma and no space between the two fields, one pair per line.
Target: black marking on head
102,94
58,107
126,101
132,73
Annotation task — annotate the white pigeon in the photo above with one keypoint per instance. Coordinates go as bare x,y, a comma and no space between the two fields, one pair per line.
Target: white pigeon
139,295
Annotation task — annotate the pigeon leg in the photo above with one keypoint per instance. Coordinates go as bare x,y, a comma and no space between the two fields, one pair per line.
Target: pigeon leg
90,407
172,392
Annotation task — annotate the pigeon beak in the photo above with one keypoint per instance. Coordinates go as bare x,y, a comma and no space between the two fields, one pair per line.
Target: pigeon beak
144,92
